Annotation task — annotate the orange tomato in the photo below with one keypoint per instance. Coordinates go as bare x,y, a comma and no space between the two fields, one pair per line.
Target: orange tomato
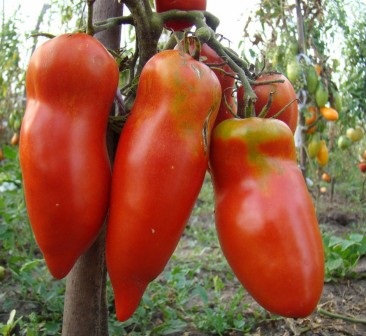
329,113
15,139
318,69
326,177
323,154
310,115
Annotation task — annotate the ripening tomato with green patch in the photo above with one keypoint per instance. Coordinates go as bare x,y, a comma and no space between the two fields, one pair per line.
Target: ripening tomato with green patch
183,5
281,95
160,165
71,83
265,218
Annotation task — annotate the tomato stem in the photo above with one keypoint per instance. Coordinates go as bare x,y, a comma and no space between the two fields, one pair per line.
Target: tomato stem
90,28
266,107
339,316
284,108
48,35
112,22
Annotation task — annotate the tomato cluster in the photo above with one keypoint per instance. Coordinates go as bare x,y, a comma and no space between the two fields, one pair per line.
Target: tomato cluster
265,219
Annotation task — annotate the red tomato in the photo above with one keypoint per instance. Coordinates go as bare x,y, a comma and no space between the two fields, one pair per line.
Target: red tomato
160,164
362,167
184,5
227,81
71,83
226,77
283,94
265,218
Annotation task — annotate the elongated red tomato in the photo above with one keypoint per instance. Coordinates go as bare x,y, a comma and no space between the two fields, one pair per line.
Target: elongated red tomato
185,5
71,83
265,219
160,164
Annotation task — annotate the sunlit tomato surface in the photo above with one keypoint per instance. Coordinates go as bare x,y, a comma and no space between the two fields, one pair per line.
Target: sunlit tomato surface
184,5
159,169
71,83
265,218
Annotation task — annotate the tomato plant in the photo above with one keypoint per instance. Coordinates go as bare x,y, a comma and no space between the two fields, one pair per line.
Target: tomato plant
185,5
268,233
71,83
161,160
282,96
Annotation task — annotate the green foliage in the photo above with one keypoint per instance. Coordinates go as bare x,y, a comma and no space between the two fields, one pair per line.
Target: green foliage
27,286
12,75
342,254
8,328
354,87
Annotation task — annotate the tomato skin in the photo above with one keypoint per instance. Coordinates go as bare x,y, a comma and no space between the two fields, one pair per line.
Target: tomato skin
184,5
268,233
159,169
284,93
323,154
227,83
329,113
326,177
226,77
362,167
71,82
311,115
